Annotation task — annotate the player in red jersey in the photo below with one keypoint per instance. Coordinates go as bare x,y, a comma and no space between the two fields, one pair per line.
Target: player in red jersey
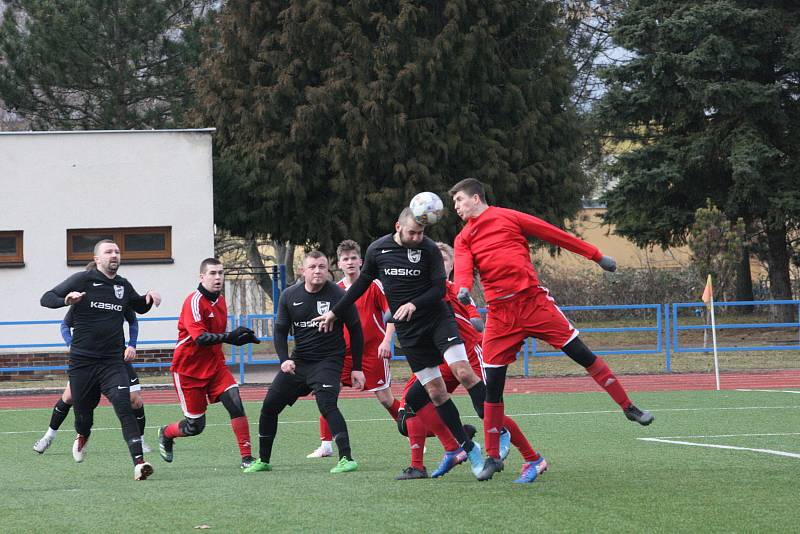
494,240
371,307
470,324
198,364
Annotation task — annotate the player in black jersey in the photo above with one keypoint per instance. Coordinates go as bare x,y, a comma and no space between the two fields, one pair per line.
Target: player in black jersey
411,269
99,298
316,362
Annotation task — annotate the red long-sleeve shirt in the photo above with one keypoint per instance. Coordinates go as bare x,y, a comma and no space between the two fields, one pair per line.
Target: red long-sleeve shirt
496,244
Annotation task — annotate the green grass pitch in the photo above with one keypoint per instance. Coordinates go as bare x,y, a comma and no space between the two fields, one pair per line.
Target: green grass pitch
740,475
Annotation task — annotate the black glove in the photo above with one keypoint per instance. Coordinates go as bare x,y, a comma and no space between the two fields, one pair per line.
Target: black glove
241,336
463,296
608,264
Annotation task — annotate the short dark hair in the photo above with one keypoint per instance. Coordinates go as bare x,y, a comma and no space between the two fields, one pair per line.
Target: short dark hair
470,186
314,254
406,215
346,246
102,242
208,261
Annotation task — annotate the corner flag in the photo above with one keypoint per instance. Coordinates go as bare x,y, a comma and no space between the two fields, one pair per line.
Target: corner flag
708,293
708,299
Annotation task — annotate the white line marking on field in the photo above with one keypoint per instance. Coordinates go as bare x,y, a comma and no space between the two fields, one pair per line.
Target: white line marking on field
385,419
727,435
731,447
771,390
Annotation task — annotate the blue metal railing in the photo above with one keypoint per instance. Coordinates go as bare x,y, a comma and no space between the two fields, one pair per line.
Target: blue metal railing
666,327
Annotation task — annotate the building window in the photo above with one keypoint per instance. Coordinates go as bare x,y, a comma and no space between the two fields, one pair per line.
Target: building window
137,245
11,249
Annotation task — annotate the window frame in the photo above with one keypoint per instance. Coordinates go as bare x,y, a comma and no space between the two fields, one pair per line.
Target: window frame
118,235
17,260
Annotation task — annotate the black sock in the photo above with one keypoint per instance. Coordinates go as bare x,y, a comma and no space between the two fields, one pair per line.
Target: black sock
135,448
336,421
60,412
449,414
140,419
267,428
478,395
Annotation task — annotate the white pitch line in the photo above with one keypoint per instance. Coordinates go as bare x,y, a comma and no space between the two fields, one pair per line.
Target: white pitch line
727,435
771,390
731,447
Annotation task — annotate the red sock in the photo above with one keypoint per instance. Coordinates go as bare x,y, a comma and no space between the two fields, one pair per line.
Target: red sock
416,439
492,424
173,431
324,430
394,408
519,440
432,421
242,430
601,374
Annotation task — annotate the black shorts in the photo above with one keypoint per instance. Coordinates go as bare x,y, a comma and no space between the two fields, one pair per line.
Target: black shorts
89,378
308,377
133,378
425,349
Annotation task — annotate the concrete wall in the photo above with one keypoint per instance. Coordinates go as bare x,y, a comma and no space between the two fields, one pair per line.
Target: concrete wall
54,181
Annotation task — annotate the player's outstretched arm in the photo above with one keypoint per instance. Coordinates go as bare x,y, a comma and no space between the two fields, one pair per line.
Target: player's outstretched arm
66,293
608,264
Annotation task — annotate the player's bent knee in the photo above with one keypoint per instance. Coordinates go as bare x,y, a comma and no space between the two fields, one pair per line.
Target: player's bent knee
456,353
428,374
232,402
326,402
193,426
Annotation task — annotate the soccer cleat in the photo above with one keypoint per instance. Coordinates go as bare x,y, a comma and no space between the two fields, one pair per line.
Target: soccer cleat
344,466
531,470
165,445
79,448
476,459
320,452
490,467
450,460
505,443
247,461
470,431
43,444
257,467
145,447
633,413
142,471
403,415
412,473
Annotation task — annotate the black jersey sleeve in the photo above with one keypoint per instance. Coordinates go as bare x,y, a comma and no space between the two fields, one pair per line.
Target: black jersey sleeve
283,310
55,297
280,334
353,325
138,302
438,288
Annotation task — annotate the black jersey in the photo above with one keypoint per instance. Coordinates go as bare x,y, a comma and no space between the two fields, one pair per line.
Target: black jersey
296,310
99,316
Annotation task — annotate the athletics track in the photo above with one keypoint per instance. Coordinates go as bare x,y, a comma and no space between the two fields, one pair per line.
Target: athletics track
577,384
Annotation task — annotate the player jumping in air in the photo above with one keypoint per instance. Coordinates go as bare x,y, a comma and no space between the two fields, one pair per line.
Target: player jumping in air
494,241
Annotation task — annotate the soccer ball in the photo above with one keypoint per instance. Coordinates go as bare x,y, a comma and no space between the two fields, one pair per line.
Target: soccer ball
427,208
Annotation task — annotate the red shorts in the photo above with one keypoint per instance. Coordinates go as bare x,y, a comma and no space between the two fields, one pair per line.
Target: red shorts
377,372
450,381
195,394
532,313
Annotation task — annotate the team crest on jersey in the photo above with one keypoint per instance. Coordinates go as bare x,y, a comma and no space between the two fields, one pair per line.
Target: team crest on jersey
119,291
323,306
414,255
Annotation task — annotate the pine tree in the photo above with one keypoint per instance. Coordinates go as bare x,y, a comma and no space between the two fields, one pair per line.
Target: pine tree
711,96
331,116
94,64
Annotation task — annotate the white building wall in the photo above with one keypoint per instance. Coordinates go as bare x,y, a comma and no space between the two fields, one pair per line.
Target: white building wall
54,181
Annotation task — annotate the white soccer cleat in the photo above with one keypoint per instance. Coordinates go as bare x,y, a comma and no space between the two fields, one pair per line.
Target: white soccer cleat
142,471
43,444
79,448
145,447
321,452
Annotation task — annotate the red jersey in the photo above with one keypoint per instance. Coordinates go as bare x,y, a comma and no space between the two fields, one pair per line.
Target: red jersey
370,307
496,243
469,335
199,314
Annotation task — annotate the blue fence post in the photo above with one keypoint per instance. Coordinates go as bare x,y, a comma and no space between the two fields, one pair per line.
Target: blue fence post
667,336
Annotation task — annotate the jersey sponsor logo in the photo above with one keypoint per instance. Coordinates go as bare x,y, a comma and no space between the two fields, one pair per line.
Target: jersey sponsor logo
95,284
296,303
414,255
106,306
119,291
323,306
306,324
401,271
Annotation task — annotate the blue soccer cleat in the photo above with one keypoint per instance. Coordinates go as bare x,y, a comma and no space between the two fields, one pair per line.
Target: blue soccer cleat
450,460
505,443
531,470
476,458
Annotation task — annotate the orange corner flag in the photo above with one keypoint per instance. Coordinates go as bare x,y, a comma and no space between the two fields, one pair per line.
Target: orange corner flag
708,293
